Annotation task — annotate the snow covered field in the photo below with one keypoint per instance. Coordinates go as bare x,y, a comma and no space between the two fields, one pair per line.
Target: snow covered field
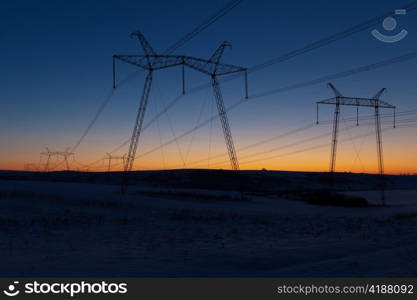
82,229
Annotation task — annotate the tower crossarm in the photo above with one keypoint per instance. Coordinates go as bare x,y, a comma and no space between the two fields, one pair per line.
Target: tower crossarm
157,62
351,101
207,66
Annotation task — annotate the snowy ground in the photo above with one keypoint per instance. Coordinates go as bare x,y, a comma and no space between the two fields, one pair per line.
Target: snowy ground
81,229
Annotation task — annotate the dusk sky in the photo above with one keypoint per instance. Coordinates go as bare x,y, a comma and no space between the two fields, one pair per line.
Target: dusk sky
57,70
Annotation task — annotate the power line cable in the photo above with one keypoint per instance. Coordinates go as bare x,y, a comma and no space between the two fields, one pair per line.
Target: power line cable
339,75
309,149
206,23
309,47
220,13
330,39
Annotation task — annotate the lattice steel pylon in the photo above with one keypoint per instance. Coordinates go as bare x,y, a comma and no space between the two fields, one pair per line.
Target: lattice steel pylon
373,102
111,157
152,62
48,153
64,154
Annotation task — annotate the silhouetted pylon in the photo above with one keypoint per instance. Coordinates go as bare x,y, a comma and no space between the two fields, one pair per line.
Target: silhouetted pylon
374,102
152,62
111,157
49,154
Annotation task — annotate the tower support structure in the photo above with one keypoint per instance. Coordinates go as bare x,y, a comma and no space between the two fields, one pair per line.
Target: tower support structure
50,154
152,62
111,158
377,104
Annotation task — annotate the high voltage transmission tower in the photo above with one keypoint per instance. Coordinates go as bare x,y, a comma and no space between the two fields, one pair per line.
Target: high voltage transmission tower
111,157
152,62
63,154
373,102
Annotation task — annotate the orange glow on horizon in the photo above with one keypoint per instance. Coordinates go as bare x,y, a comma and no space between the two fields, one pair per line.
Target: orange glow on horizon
350,157
299,163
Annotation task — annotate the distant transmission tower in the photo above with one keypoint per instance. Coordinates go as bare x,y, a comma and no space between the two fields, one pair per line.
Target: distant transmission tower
152,61
373,102
48,154
111,157
63,154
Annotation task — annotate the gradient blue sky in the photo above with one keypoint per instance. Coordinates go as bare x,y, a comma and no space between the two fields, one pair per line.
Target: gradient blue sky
56,70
